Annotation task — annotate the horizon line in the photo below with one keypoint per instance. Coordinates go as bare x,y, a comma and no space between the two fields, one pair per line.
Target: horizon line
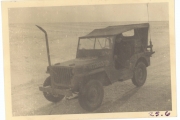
95,22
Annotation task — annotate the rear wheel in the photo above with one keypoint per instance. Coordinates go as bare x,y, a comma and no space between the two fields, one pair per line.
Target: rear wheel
91,95
140,74
49,96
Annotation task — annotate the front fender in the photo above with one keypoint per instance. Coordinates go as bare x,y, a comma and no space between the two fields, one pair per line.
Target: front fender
96,71
100,75
79,78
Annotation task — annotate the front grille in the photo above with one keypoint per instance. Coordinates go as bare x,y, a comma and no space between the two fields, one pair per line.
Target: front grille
62,75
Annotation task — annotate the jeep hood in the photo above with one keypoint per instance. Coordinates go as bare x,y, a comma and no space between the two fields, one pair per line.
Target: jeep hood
79,62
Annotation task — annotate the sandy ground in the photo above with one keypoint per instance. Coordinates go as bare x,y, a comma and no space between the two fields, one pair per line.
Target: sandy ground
29,62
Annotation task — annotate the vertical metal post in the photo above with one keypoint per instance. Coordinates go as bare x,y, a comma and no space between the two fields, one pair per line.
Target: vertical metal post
47,44
94,43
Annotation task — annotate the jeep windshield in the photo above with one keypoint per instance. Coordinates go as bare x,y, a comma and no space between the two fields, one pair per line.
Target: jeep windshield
94,47
95,43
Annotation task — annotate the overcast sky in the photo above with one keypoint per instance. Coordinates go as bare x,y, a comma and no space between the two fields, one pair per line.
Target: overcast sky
90,13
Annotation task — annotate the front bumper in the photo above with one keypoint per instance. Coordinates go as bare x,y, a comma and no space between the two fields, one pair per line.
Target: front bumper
49,89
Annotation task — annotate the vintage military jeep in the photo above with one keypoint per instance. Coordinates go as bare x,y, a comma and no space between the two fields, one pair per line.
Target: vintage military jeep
104,56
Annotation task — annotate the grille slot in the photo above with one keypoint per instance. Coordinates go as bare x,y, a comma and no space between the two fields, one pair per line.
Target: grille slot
62,75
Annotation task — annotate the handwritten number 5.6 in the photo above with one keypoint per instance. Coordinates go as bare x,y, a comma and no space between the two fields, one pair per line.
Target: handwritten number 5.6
158,113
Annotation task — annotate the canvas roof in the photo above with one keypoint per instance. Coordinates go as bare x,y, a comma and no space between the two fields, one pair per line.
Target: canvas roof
114,30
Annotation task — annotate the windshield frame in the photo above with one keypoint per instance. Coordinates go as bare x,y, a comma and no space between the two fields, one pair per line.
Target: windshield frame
95,41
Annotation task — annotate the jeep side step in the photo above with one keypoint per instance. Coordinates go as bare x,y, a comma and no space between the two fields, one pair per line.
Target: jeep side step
49,89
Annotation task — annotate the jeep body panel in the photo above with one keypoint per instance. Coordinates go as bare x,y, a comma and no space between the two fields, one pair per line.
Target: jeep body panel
100,63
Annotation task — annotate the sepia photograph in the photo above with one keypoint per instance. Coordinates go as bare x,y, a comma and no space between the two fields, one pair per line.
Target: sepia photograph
92,59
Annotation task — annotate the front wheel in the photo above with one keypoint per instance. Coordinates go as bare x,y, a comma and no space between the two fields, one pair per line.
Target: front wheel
140,74
49,96
91,95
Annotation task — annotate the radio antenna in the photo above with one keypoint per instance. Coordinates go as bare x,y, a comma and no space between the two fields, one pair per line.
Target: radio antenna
149,29
148,20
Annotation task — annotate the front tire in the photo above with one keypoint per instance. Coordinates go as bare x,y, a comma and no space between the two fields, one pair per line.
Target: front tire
91,95
48,96
140,74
